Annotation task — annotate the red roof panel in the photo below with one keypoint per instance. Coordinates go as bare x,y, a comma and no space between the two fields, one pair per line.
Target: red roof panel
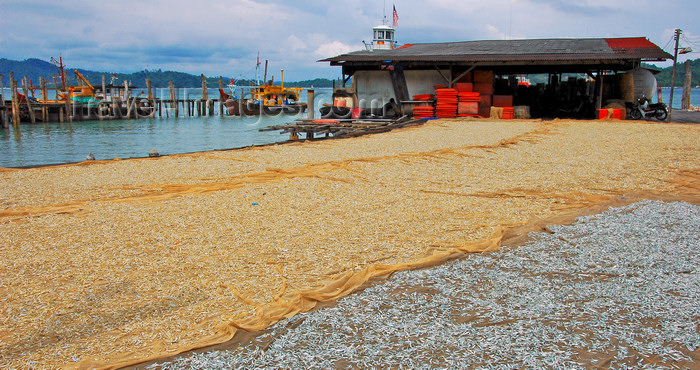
629,43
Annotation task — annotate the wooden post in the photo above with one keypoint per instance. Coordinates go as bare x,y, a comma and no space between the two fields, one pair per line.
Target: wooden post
170,91
685,100
126,101
221,88
173,98
148,87
100,105
67,110
25,91
104,89
45,95
69,115
205,94
55,87
310,104
116,109
15,101
3,111
659,94
151,103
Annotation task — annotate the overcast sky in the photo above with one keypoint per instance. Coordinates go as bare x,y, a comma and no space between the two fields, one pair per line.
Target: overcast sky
223,37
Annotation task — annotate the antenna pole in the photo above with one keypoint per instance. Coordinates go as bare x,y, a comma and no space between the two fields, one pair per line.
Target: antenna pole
384,20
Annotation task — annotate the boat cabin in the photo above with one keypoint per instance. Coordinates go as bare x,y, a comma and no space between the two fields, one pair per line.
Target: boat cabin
382,38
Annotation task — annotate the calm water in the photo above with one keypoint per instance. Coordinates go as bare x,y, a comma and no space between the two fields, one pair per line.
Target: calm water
54,143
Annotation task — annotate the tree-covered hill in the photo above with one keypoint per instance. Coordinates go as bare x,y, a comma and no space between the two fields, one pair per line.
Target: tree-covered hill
36,68
664,77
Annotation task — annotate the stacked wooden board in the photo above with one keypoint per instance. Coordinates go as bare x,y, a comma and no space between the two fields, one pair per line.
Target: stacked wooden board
447,103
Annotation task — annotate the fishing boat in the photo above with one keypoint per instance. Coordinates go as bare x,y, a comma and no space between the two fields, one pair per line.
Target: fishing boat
263,99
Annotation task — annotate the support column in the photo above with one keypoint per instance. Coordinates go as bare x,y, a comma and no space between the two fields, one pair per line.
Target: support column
599,93
310,104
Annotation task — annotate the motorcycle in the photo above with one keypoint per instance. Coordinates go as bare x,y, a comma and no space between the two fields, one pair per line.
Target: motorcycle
645,109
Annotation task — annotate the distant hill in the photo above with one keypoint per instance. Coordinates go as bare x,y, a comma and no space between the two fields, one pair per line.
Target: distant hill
36,68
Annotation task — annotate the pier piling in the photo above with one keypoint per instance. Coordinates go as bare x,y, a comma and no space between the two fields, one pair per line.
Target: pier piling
3,111
687,85
25,91
44,95
15,101
221,103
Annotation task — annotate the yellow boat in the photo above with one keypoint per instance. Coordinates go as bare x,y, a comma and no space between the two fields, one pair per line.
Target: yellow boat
267,99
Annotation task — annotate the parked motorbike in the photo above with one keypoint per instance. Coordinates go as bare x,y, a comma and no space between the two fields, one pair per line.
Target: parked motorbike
645,109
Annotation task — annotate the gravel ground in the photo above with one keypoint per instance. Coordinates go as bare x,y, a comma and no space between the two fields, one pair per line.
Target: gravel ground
618,289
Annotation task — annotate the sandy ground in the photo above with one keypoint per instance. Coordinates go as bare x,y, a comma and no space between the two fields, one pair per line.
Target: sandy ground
114,262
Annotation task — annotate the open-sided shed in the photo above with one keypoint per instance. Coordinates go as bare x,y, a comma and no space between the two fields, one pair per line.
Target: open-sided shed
582,73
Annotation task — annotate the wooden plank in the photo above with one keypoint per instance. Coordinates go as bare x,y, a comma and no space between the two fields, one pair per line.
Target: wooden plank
398,82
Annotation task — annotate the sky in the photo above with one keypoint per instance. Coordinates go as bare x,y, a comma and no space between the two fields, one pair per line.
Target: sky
223,38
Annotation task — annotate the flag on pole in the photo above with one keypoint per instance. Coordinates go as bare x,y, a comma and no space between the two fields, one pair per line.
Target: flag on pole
396,17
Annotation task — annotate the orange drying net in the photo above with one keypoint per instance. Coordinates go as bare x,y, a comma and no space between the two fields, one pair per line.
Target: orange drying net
110,263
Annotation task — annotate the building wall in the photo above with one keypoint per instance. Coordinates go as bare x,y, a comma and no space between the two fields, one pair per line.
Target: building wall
374,88
423,82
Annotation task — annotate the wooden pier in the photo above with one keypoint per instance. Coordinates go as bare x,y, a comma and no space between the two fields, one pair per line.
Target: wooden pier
109,102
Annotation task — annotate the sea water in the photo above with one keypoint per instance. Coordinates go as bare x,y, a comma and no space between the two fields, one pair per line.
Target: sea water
57,143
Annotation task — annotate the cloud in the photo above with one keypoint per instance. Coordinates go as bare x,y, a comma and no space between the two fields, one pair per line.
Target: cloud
495,33
333,48
224,36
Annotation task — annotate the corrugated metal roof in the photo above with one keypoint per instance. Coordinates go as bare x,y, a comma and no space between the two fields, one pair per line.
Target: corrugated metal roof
514,50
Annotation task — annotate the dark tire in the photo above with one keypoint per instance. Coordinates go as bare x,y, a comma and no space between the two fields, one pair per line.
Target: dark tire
661,115
635,114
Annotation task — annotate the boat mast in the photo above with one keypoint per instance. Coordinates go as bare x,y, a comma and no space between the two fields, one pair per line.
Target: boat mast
257,70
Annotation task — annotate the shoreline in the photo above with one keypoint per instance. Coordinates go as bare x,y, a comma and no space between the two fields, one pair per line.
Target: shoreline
679,117
225,233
